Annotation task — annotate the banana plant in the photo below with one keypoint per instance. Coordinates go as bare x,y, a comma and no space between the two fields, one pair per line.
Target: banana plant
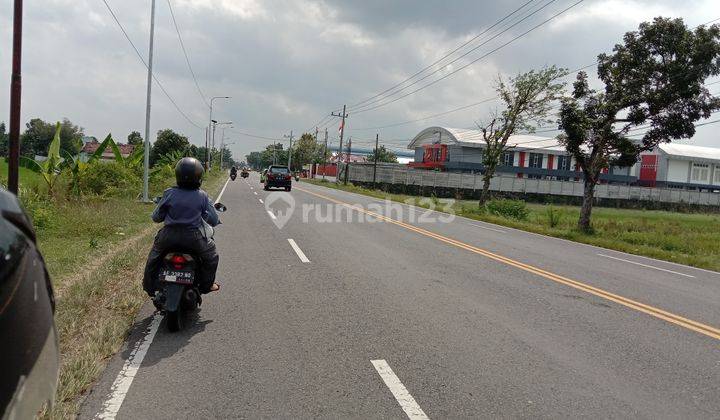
77,167
51,167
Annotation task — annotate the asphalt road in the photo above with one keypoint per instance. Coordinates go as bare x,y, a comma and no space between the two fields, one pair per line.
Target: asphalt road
367,317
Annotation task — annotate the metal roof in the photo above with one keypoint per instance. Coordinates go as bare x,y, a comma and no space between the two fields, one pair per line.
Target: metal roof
474,138
690,152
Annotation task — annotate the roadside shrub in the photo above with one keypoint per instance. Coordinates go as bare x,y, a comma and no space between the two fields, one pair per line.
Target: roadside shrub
109,178
38,207
553,216
163,179
511,209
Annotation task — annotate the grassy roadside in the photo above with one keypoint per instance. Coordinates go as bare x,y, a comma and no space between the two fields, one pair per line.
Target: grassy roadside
692,239
95,251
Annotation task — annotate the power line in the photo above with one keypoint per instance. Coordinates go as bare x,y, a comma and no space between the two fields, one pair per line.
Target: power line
142,60
443,57
378,102
232,130
187,60
473,61
489,99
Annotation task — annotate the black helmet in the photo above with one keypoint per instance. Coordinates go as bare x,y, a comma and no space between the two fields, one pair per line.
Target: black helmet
188,173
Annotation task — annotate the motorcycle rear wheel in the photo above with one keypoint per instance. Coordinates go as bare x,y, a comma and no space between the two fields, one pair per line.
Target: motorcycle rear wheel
174,320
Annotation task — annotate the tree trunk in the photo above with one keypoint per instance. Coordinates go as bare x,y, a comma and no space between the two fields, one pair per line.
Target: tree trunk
484,195
586,210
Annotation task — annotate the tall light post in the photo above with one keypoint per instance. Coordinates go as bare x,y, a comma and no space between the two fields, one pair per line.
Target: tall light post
207,138
289,149
146,157
215,123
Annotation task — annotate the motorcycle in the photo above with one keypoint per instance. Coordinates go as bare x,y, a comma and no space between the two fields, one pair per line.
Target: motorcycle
233,175
179,275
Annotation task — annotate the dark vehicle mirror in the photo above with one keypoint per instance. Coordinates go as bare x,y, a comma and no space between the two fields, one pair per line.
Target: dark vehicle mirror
220,207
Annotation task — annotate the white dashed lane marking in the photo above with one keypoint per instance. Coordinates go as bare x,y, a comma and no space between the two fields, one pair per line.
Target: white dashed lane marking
401,394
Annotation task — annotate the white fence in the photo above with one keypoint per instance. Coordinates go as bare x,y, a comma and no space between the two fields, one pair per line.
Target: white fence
401,174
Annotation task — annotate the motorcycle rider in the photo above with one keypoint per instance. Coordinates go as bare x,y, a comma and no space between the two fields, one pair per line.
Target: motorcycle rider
183,209
233,170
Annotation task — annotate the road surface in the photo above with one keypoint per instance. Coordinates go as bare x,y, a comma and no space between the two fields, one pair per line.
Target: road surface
420,318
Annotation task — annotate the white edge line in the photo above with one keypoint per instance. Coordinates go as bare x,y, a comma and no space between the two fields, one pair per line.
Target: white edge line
272,216
646,265
125,377
401,394
298,251
260,200
222,191
487,228
599,248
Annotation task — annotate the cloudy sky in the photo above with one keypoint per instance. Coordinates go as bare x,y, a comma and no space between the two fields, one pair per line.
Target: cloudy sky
287,64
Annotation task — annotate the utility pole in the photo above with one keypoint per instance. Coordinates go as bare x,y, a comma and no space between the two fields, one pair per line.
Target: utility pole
212,143
377,138
347,160
207,139
342,132
274,149
146,164
15,100
325,155
289,150
207,148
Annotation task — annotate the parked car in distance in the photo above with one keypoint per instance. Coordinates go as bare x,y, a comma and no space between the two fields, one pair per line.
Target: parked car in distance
29,354
278,177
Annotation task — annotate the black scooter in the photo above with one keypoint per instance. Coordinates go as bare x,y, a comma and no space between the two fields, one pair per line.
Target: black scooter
179,275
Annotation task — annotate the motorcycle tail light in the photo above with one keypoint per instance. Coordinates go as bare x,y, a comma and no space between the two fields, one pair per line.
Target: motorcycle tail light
178,261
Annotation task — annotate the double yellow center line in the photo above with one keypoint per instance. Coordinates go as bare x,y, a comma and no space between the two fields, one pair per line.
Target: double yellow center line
638,306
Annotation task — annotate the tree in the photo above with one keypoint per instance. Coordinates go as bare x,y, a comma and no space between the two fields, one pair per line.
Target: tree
254,159
4,139
305,151
135,138
39,134
653,81
383,155
52,166
527,99
168,142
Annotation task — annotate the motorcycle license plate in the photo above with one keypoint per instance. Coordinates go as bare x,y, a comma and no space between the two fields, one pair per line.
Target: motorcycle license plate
176,276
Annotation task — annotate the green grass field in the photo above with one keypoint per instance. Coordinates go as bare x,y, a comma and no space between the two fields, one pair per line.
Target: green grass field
685,238
28,178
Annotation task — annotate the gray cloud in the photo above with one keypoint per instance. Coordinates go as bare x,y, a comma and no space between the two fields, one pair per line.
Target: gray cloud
287,63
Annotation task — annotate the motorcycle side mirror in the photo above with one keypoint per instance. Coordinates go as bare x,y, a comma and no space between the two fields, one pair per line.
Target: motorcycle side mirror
156,199
220,207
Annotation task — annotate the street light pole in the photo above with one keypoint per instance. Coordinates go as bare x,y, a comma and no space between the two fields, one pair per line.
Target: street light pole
207,140
146,162
289,150
15,100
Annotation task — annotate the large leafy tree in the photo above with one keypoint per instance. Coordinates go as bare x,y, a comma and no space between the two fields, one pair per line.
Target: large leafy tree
39,134
168,142
527,99
135,138
383,155
305,151
653,81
